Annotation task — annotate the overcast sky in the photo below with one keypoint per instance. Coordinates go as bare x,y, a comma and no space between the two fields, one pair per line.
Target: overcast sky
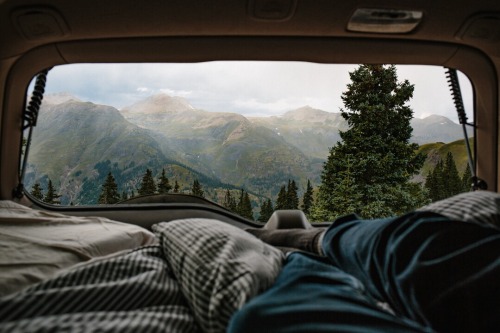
249,88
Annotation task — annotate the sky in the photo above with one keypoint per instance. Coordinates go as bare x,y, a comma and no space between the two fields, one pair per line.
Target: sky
248,88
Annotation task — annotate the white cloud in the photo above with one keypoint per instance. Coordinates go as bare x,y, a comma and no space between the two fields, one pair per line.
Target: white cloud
172,92
248,88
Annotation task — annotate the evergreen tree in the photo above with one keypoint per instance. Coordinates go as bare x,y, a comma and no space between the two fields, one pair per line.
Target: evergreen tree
176,187
452,180
466,179
282,200
36,191
444,181
197,189
109,193
292,196
307,199
51,196
369,171
244,205
233,205
266,210
438,191
163,185
230,202
124,195
148,185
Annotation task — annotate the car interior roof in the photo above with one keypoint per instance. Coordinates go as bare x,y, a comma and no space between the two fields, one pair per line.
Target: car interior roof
39,34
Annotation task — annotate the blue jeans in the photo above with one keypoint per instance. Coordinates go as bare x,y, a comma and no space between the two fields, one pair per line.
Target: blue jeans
435,275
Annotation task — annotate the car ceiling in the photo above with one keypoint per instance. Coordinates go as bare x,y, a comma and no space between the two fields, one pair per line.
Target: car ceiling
39,34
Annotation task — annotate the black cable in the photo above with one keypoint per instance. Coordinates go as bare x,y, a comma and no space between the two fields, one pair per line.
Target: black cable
456,92
30,117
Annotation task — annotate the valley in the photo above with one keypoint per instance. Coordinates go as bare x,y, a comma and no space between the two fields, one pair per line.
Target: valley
77,143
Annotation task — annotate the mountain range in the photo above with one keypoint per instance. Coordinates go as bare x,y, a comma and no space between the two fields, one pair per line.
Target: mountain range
77,143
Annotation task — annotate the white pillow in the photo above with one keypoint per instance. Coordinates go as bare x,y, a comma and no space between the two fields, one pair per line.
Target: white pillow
35,245
481,207
219,267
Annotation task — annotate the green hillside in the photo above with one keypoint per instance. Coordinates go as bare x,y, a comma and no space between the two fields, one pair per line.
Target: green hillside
439,150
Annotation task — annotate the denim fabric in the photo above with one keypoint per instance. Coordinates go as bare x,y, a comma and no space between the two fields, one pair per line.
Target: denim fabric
434,273
441,273
311,295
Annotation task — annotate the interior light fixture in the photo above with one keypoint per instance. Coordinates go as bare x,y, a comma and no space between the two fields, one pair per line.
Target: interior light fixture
387,21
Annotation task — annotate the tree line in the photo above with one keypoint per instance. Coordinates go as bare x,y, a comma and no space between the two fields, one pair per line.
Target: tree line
239,204
110,194
444,180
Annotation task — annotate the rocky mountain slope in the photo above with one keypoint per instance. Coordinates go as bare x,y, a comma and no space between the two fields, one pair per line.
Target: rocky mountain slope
77,143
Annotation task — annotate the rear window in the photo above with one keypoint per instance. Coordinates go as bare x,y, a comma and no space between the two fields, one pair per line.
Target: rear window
251,137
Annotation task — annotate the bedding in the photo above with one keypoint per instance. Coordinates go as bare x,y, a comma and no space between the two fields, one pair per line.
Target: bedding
193,280
219,267
35,244
482,207
422,272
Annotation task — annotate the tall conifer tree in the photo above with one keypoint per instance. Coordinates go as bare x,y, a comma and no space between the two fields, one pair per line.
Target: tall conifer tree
282,200
51,196
109,192
36,191
244,205
227,199
307,199
452,181
197,190
377,145
266,210
292,196
466,179
148,185
163,185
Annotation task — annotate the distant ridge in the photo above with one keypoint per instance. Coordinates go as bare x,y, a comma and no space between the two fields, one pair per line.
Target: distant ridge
59,98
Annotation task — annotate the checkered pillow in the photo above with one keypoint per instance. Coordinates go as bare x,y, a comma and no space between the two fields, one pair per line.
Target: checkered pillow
219,267
481,207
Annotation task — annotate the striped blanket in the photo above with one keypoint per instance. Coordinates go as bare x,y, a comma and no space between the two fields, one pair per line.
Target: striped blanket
199,274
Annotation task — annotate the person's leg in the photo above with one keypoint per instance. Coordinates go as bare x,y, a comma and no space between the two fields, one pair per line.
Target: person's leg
310,295
430,269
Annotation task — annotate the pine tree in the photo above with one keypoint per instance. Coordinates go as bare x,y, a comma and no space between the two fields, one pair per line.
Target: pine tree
197,189
307,199
176,187
266,210
244,207
124,195
163,185
466,179
148,185
51,196
430,184
438,190
381,158
282,200
292,196
36,191
227,199
109,193
452,180
233,205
